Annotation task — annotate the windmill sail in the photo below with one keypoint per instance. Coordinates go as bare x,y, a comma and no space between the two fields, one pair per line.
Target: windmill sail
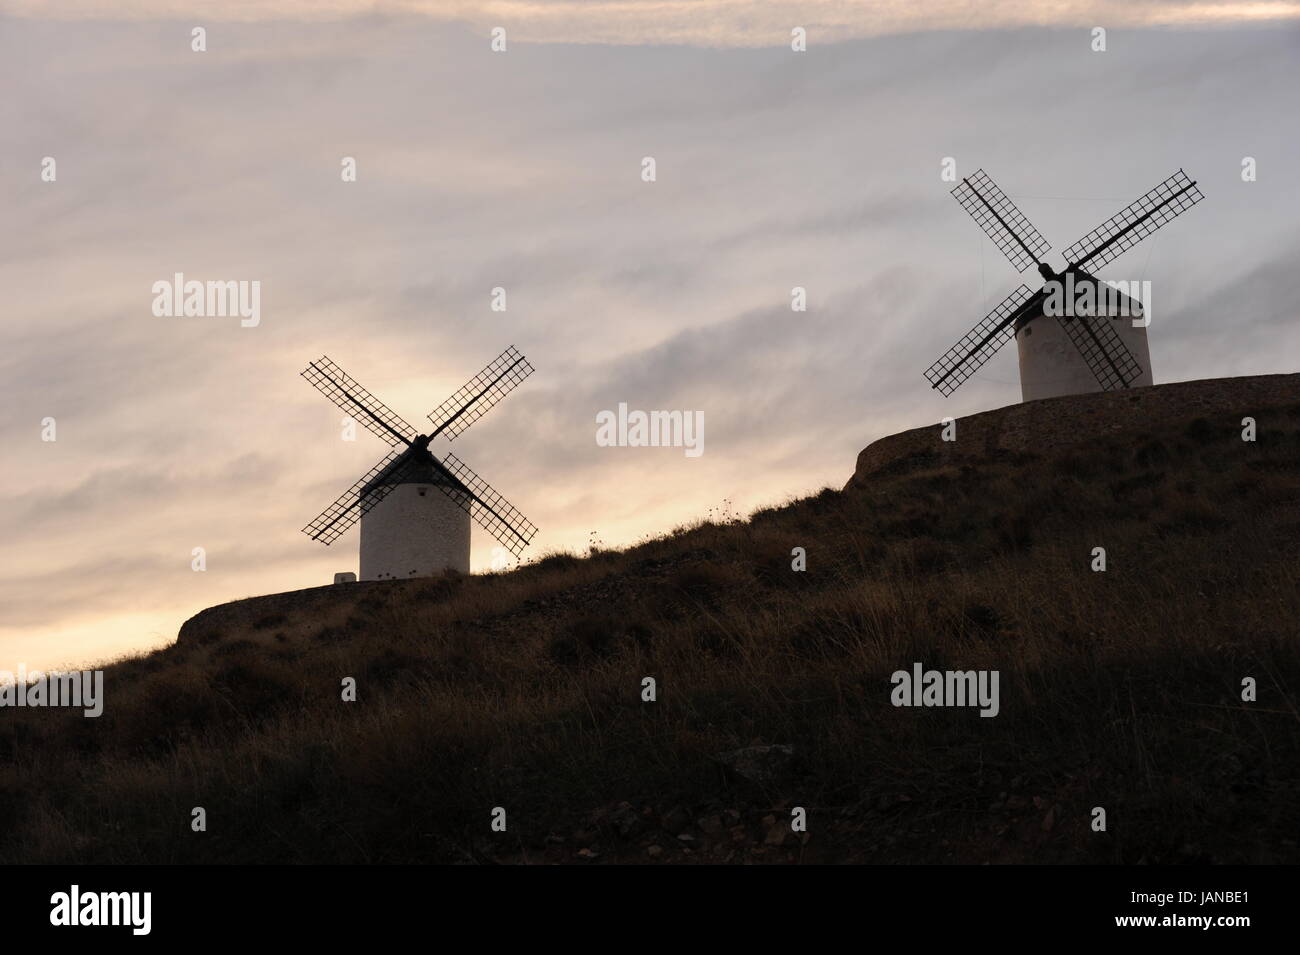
489,509
347,510
1134,223
1013,234
478,395
331,381
1109,359
979,344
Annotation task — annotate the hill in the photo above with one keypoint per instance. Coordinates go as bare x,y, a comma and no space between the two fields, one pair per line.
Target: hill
1118,689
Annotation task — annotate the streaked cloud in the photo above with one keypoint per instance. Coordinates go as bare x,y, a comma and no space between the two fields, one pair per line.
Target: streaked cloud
715,23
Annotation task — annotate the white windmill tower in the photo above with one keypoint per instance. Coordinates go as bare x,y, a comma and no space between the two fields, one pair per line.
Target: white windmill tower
1094,349
415,509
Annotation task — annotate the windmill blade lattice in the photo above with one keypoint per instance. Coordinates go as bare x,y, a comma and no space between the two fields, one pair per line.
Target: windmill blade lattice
1013,234
489,509
1134,223
478,395
1110,360
331,381
979,344
347,510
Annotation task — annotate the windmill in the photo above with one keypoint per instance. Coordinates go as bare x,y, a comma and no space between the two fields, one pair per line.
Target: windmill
406,531
1067,354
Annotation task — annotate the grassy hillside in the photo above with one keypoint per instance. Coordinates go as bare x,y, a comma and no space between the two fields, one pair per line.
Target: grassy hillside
523,690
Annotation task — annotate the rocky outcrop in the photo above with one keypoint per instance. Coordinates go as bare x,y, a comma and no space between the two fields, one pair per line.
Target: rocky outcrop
1054,425
271,611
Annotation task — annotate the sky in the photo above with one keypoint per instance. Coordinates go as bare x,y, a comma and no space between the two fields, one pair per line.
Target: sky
522,170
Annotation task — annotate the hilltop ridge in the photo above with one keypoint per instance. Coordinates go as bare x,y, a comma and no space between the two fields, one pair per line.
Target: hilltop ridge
1051,426
525,690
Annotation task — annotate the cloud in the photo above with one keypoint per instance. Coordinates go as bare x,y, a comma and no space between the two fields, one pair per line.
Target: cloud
476,171
714,23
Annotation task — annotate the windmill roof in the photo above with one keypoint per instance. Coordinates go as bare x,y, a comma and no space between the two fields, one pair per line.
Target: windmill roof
1081,278
405,471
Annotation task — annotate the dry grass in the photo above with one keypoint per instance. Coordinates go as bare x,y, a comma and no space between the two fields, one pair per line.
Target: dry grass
522,690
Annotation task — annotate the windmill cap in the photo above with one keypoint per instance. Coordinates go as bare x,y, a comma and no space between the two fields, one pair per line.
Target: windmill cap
1082,278
414,472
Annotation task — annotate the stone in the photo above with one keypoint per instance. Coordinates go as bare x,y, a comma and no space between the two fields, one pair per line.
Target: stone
626,820
674,820
710,825
759,764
